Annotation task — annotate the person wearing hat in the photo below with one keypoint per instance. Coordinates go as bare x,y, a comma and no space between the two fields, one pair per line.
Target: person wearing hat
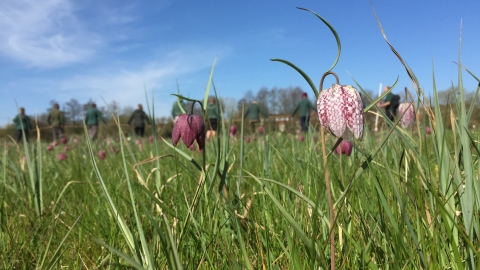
23,125
304,106
138,119
92,117
56,120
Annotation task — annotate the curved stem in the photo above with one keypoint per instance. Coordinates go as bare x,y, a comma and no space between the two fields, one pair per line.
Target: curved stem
323,78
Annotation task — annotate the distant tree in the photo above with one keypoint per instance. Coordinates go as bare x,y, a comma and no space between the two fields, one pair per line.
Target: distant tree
73,110
447,96
88,104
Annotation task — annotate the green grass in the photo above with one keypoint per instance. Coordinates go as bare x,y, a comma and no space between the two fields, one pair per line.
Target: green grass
403,200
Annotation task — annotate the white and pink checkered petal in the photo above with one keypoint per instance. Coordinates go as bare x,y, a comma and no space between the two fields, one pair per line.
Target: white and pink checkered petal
353,111
337,121
322,107
408,112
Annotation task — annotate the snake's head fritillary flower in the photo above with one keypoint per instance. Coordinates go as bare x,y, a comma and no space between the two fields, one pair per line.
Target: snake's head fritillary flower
340,111
65,148
247,139
301,138
260,129
150,139
189,127
428,130
55,143
406,109
75,140
233,130
344,148
138,141
63,140
50,147
102,154
62,156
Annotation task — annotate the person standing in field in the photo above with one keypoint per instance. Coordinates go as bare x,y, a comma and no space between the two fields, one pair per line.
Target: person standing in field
390,103
253,111
176,110
304,105
138,119
213,116
23,125
92,117
56,120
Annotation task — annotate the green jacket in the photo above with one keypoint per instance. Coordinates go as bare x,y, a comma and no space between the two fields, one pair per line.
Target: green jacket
253,111
304,105
176,111
22,120
92,117
138,118
212,111
56,118
389,97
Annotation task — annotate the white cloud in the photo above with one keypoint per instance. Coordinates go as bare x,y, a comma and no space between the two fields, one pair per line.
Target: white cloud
44,33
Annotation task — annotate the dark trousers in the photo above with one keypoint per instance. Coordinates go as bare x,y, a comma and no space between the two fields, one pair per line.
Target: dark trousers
140,131
57,132
305,122
19,135
253,125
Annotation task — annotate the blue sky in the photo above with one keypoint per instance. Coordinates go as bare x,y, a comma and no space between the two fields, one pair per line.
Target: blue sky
63,49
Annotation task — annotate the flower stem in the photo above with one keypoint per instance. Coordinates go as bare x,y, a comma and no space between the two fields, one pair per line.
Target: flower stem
330,204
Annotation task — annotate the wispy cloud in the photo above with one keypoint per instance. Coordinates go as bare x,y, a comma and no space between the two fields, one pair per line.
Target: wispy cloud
44,33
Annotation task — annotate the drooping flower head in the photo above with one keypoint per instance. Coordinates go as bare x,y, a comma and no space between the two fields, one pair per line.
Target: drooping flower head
260,129
301,138
63,140
428,130
62,156
344,148
189,127
150,139
49,147
233,130
101,154
408,111
55,143
340,111
65,148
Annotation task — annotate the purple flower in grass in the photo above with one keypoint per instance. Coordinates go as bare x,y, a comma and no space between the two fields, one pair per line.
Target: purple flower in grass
340,110
233,130
428,130
247,139
344,148
62,156
150,139
189,128
260,129
301,138
406,109
63,140
50,147
101,154
65,148
55,143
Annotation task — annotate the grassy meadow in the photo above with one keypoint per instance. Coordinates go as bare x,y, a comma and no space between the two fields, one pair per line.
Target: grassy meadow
404,199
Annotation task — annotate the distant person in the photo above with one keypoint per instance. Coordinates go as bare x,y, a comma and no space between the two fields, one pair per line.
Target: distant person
176,111
92,117
253,111
138,119
304,105
56,120
391,103
23,125
213,116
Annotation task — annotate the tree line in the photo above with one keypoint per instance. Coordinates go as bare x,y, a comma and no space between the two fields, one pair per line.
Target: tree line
276,101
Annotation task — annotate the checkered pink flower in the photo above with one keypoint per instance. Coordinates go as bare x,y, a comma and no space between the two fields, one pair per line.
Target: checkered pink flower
233,130
344,148
408,111
340,111
189,127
